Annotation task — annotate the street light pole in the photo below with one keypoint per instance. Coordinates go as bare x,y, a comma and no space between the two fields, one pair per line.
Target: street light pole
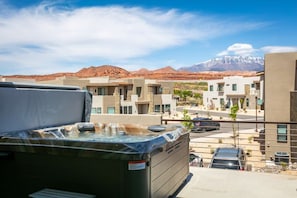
256,98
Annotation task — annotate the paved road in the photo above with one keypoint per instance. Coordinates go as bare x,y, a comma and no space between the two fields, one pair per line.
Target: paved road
220,114
225,127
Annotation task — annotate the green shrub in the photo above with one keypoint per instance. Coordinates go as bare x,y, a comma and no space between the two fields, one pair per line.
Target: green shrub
250,139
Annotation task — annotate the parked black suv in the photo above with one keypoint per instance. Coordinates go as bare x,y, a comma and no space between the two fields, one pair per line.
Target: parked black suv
204,124
229,158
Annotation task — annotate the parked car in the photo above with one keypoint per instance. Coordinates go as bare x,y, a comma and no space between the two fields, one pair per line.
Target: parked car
229,158
195,160
204,124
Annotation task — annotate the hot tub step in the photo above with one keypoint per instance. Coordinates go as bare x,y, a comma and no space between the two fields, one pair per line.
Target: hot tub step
53,193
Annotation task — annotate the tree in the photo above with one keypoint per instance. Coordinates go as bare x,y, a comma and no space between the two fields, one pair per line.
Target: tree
241,100
177,92
198,97
233,116
185,94
188,124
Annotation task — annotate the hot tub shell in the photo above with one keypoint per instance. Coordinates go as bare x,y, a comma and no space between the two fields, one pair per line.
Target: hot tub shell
154,167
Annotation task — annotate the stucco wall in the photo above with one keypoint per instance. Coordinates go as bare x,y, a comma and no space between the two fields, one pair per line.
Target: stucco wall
280,77
279,82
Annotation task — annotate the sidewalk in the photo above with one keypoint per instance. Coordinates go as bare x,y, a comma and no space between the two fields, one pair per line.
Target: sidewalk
219,183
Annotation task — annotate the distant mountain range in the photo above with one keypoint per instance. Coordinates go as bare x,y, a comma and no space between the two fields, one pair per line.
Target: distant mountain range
213,69
228,63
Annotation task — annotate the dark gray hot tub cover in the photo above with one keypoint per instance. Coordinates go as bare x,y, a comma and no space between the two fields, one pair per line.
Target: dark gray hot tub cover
25,107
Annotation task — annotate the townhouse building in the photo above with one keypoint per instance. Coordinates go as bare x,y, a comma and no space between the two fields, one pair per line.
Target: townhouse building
67,80
131,96
281,105
229,91
124,96
20,80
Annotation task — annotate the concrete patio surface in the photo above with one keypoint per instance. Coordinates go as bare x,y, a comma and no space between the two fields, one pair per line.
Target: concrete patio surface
219,183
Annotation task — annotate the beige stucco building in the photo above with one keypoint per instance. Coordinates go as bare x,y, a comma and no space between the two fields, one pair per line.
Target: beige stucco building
67,80
281,104
124,96
131,96
19,80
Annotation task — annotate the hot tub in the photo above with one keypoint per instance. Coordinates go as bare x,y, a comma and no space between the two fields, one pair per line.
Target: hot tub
101,159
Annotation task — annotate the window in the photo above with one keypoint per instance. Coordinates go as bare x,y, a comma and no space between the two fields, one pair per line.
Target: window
252,85
234,87
157,108
96,110
110,110
138,91
221,87
157,90
222,101
126,110
125,93
160,90
99,110
210,87
281,133
247,102
129,109
257,85
167,107
101,91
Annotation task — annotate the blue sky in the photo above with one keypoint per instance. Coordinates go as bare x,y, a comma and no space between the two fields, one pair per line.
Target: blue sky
41,37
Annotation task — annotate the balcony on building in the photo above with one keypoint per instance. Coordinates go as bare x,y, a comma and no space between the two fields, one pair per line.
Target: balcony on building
220,88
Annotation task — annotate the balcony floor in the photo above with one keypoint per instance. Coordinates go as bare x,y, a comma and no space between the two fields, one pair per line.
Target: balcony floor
207,182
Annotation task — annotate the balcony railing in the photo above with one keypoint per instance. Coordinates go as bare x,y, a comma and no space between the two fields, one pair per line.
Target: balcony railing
263,152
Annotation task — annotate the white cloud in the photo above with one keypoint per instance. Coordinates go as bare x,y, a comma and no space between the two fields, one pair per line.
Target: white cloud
48,36
245,49
275,49
240,49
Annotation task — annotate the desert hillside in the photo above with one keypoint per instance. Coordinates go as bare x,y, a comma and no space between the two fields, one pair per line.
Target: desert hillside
166,73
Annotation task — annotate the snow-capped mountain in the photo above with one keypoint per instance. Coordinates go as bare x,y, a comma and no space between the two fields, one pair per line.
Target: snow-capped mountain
228,63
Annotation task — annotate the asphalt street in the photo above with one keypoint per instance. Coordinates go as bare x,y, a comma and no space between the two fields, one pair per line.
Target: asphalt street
204,113
225,126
